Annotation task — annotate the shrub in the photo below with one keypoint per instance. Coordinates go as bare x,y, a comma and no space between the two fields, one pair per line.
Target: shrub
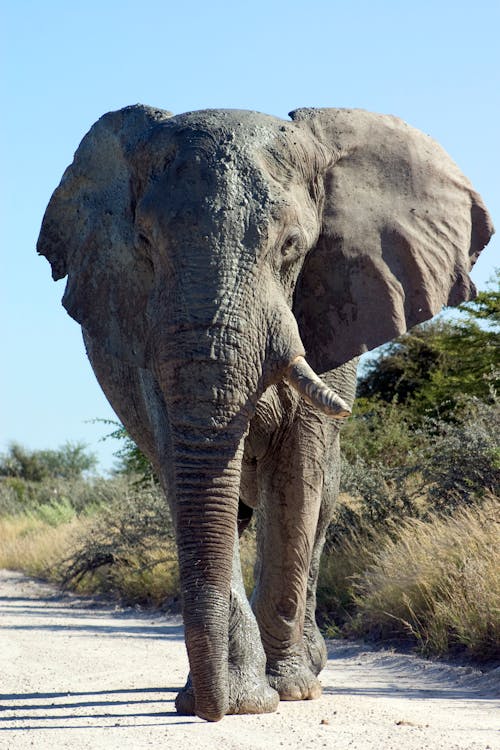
18,496
127,549
449,465
460,461
445,464
431,367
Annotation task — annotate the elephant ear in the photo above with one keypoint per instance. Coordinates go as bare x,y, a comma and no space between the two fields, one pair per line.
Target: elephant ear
401,229
88,234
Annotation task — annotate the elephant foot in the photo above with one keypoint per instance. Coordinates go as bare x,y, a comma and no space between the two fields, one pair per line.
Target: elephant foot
293,680
184,701
315,649
247,695
251,694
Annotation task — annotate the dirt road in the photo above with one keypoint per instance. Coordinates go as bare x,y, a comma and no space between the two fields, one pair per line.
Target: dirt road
79,674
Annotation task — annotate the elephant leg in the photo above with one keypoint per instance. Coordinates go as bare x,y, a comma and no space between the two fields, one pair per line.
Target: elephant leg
291,484
249,689
342,380
314,643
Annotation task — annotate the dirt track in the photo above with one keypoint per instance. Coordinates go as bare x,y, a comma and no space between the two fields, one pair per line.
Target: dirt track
79,674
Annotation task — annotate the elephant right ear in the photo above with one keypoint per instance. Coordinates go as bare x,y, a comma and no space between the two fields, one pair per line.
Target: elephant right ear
401,229
88,234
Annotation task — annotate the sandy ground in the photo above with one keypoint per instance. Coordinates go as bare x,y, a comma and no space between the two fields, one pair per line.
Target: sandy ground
77,673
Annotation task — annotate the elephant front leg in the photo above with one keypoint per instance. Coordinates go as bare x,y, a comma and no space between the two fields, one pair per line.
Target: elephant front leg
291,489
249,689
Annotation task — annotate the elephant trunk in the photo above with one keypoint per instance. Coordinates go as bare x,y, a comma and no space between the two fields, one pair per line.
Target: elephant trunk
207,403
211,377
207,501
207,479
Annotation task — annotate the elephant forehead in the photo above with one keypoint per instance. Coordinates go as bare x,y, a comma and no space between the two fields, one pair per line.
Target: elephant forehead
209,180
243,125
221,137
220,171
210,129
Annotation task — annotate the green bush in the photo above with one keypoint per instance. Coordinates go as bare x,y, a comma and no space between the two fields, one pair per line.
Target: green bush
70,461
18,496
460,462
431,368
438,466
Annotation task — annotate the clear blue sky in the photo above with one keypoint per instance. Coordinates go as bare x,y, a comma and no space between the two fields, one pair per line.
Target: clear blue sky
435,63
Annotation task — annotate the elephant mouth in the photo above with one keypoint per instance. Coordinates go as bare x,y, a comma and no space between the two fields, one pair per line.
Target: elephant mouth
302,378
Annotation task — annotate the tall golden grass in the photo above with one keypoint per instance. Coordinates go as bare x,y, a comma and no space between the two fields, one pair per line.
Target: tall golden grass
434,581
36,547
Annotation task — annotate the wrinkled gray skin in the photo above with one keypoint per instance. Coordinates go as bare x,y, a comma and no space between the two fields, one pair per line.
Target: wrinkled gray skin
204,253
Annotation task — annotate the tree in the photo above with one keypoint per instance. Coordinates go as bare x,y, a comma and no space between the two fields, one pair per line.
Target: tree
70,461
434,365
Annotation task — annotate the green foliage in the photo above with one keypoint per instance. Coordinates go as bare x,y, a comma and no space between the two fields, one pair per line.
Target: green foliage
378,432
430,368
486,306
70,461
131,460
55,513
459,462
439,466
19,497
404,367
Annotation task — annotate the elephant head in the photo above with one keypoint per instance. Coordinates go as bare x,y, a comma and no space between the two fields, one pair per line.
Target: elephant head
214,249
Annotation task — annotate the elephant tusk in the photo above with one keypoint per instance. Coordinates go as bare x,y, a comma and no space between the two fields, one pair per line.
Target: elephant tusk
304,380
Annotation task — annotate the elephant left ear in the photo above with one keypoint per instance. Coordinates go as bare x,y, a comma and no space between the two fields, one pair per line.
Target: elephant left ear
401,229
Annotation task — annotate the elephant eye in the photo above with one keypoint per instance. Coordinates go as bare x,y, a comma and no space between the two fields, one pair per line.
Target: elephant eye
292,246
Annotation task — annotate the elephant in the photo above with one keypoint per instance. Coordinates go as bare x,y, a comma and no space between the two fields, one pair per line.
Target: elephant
228,268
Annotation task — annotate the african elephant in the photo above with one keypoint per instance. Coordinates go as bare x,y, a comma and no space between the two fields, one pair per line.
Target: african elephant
206,253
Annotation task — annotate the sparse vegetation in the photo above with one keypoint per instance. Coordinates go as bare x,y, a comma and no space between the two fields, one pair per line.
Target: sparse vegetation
127,549
109,536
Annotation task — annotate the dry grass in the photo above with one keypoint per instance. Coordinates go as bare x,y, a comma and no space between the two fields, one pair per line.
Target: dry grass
151,580
248,552
35,546
437,582
45,551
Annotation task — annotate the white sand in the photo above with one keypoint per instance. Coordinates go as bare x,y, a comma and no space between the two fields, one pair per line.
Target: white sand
76,673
